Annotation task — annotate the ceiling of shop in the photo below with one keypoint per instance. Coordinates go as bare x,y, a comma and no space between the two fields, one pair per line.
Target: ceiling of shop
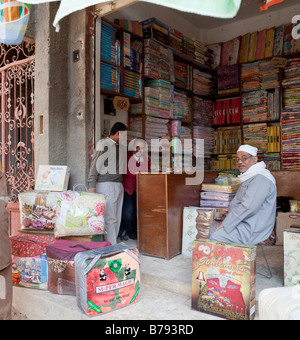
249,8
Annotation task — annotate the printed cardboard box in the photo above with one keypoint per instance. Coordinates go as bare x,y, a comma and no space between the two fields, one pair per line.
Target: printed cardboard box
29,261
37,210
107,279
291,257
52,178
223,279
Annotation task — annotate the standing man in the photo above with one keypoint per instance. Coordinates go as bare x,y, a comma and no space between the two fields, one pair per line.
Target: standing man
138,161
252,213
106,176
5,255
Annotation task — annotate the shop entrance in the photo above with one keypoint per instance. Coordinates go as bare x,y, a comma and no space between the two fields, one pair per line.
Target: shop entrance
17,65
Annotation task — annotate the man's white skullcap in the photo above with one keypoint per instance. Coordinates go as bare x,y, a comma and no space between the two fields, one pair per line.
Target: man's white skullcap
251,150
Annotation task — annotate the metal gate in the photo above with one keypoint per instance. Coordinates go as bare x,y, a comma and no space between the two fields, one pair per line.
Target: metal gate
17,64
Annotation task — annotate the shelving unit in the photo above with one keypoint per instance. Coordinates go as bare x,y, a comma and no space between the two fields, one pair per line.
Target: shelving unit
170,83
252,102
260,114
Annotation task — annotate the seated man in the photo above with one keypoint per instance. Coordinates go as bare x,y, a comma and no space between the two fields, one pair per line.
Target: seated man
252,213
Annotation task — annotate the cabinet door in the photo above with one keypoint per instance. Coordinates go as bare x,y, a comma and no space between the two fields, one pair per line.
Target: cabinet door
152,215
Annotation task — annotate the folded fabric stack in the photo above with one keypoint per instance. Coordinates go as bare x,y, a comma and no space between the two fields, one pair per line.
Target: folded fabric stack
183,75
136,109
250,77
228,79
269,75
182,106
202,83
216,199
156,128
200,51
186,134
202,111
188,47
132,84
136,128
165,63
291,129
207,134
256,135
255,106
292,73
217,196
151,102
110,50
163,95
176,39
151,59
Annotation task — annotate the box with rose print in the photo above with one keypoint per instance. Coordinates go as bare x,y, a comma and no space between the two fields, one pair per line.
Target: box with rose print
223,279
107,279
79,213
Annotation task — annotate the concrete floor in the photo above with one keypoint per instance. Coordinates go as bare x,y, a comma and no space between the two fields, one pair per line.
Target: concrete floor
165,294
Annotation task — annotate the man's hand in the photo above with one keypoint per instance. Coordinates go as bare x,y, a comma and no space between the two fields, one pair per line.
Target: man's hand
92,190
218,227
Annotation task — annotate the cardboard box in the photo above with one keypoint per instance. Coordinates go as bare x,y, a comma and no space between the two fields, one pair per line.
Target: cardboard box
107,279
285,220
291,257
223,279
52,178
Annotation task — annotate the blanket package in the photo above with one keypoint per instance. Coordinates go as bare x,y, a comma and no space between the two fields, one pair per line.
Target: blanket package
37,210
223,279
29,261
79,213
107,279
61,267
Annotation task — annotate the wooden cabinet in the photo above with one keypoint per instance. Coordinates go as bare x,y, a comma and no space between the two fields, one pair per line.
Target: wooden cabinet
161,199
